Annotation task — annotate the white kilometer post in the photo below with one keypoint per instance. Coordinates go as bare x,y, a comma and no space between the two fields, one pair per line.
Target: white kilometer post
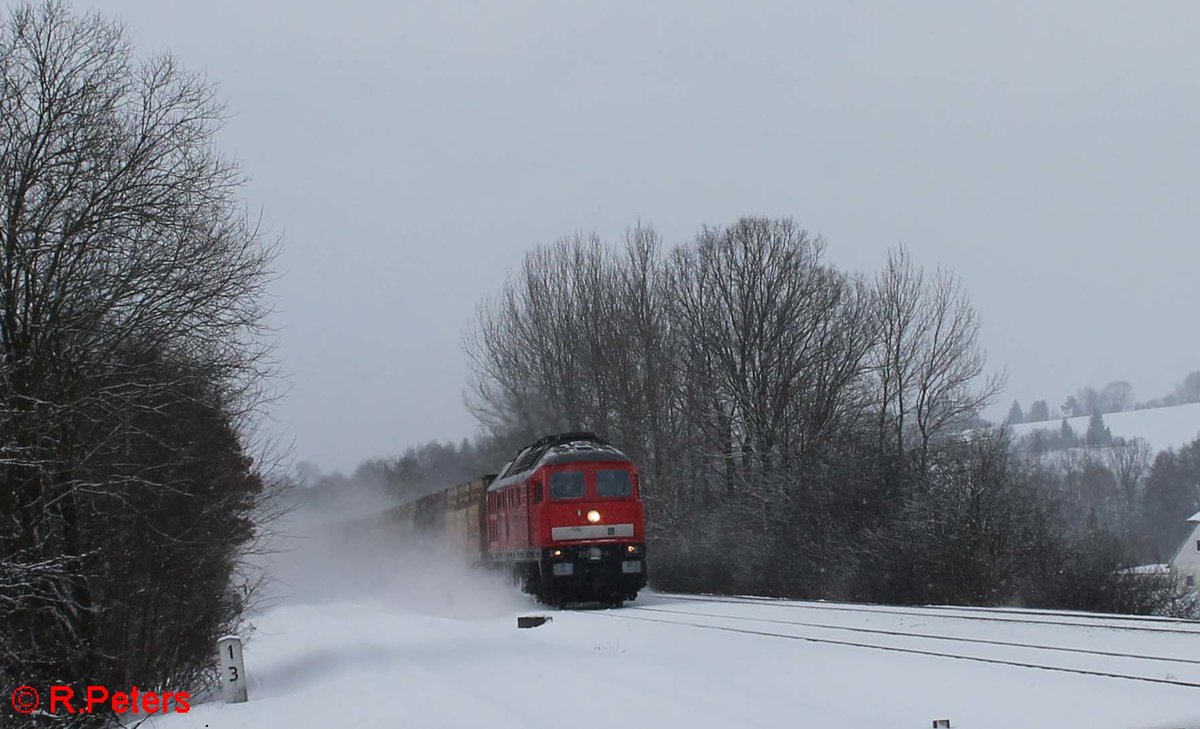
233,671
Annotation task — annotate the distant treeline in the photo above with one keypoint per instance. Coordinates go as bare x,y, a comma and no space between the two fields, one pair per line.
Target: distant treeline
418,471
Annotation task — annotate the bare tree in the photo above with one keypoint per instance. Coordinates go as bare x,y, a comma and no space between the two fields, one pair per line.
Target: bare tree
1117,397
928,362
771,345
539,348
780,337
1129,461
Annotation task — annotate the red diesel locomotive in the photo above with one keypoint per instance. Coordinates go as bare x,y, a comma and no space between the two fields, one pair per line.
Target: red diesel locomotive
566,517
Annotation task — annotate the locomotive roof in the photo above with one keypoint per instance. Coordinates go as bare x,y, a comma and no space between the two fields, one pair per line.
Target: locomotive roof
561,448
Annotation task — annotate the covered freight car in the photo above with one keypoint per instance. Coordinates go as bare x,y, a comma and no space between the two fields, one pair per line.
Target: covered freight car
454,519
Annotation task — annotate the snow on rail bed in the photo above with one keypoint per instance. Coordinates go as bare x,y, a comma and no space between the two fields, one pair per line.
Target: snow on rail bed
462,662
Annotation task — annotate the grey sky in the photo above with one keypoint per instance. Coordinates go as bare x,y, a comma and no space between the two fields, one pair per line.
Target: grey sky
411,152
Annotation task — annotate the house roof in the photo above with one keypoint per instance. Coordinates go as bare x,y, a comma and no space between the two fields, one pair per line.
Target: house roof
1194,517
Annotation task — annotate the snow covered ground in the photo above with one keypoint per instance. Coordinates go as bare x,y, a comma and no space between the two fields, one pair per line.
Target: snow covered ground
456,659
375,634
1163,428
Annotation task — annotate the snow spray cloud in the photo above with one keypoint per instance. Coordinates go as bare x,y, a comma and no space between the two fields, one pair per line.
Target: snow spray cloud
350,550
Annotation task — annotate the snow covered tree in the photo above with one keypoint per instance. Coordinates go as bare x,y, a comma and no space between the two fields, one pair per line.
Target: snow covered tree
1187,391
1067,434
1072,407
1098,433
1039,412
975,533
1016,416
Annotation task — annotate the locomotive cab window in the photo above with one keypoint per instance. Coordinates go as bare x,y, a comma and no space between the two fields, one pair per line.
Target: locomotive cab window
566,485
613,484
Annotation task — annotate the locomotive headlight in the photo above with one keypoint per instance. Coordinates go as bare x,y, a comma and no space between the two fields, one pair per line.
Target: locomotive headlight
556,553
632,549
593,516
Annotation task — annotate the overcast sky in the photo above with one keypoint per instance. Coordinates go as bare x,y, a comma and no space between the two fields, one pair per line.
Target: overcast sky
409,153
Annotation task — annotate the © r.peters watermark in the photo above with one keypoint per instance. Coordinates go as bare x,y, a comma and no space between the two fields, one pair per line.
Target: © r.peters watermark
64,700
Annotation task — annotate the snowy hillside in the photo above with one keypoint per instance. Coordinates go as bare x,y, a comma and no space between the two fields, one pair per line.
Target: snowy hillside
1163,428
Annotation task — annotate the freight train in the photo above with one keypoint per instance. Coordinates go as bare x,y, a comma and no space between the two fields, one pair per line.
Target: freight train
564,517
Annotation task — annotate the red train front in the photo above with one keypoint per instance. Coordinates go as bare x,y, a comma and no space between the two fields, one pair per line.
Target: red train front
565,516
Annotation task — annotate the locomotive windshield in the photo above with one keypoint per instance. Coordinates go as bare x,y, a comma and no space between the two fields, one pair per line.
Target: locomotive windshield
613,484
566,485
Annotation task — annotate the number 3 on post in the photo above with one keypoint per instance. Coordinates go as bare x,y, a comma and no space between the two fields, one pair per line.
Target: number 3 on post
229,653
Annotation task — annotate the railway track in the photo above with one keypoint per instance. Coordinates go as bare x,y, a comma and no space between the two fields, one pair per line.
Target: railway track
1156,668
996,615
1067,614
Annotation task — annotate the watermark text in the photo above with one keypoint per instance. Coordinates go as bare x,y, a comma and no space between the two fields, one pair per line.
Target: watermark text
61,699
